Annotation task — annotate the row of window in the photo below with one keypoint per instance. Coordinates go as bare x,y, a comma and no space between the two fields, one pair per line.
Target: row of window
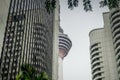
95,44
116,11
65,41
115,18
96,64
95,54
115,28
96,49
18,36
97,75
96,59
116,39
65,38
116,33
118,50
96,70
14,18
114,23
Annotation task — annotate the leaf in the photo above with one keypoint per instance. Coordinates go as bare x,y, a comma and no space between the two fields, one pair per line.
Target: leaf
47,5
110,3
53,4
70,4
43,76
87,5
19,76
75,3
103,3
28,73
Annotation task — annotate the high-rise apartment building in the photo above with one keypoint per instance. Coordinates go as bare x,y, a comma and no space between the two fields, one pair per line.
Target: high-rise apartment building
115,30
28,37
103,51
64,46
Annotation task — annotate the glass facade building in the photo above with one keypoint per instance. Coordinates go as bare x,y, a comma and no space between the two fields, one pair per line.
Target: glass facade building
28,38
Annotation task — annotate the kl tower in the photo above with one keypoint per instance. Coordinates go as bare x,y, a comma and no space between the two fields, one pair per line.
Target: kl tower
64,47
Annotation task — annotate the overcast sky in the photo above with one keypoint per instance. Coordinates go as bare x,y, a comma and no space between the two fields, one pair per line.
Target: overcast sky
77,24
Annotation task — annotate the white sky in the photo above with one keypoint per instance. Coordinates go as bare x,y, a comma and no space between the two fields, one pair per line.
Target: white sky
77,24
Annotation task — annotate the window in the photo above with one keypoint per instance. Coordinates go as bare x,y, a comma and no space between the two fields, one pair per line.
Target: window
116,39
96,59
114,12
96,75
96,54
97,64
115,17
116,27
18,17
116,33
96,49
93,45
116,22
117,45
99,79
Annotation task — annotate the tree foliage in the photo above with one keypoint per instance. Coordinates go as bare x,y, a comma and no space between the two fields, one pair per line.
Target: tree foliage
50,4
28,73
110,3
87,5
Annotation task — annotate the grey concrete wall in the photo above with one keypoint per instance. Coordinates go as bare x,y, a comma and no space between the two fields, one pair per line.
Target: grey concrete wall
4,6
56,42
109,49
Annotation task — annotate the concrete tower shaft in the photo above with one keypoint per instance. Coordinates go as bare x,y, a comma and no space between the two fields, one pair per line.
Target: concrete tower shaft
64,47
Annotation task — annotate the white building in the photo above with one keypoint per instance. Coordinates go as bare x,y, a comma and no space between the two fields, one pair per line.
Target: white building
115,30
103,60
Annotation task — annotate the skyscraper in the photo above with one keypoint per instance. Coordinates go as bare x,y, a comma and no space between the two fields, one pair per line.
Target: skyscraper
28,37
64,46
115,30
102,52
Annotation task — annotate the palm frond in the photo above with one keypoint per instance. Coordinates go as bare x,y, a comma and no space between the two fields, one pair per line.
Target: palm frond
113,4
70,4
87,5
103,3
75,2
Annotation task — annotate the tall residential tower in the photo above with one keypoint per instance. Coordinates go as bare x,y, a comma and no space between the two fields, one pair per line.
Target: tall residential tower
115,30
103,57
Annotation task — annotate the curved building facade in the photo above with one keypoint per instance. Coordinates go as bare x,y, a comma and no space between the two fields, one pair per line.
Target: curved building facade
96,54
64,46
102,54
115,28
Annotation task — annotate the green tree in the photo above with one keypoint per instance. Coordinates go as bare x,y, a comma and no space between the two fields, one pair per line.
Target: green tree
28,73
110,3
50,4
88,7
